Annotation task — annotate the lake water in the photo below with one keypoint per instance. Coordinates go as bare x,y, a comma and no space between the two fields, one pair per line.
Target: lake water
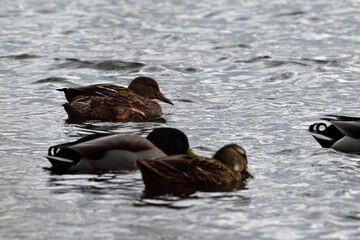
256,73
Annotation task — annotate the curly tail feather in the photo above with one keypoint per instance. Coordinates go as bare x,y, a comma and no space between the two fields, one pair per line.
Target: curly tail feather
325,135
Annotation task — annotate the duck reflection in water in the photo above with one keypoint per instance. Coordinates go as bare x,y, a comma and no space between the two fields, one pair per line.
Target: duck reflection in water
189,191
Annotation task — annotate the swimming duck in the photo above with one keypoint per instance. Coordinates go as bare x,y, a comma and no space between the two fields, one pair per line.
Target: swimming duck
103,152
110,102
342,135
229,164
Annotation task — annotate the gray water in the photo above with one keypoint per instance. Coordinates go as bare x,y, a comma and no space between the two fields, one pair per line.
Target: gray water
256,73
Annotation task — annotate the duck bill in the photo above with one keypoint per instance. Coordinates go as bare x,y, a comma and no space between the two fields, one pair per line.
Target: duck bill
191,152
247,174
161,97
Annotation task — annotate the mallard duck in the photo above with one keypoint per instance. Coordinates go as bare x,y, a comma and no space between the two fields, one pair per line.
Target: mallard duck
229,164
342,135
113,152
109,102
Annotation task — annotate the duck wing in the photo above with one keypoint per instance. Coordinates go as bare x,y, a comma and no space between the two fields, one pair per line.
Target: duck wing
92,90
103,152
182,170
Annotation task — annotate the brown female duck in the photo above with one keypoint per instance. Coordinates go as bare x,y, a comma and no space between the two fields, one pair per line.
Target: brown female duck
229,164
115,103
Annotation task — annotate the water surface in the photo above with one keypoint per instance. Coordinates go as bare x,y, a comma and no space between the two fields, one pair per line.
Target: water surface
256,73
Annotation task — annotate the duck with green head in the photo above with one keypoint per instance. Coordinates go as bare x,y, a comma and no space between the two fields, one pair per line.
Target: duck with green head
229,164
103,152
110,102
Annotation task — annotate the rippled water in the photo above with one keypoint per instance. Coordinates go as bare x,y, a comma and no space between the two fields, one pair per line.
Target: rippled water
256,73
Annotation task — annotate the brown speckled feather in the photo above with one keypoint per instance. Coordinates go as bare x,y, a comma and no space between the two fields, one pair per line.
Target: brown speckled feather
182,170
106,108
107,101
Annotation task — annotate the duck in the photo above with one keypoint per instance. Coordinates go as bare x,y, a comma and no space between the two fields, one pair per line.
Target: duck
109,102
342,134
228,164
107,152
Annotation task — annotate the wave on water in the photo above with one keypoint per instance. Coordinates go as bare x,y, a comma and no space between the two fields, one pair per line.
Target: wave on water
322,61
21,56
117,65
51,80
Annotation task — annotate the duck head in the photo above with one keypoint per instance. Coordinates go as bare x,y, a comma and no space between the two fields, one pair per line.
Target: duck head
171,141
234,157
149,88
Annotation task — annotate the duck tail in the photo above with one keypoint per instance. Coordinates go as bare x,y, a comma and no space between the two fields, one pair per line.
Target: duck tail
62,158
71,111
325,135
72,93
76,110
59,162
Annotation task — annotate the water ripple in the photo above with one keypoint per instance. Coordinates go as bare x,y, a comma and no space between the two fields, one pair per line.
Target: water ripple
106,65
256,73
21,56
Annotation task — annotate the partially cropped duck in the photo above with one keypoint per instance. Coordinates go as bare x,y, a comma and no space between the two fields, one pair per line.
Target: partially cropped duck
229,164
342,135
110,102
113,152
